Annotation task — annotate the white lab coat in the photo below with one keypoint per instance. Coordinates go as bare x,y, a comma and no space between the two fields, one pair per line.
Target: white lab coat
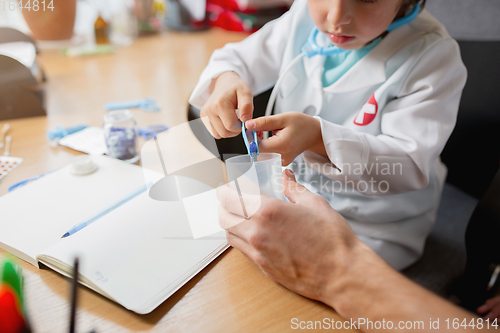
384,123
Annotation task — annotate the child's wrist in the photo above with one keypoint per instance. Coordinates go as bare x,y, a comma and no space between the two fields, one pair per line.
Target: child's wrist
225,75
317,145
222,76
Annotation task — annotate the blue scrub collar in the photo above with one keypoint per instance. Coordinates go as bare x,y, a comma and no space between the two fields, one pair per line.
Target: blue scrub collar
311,47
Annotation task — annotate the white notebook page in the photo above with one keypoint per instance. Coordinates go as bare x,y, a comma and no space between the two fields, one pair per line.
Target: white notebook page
140,252
35,216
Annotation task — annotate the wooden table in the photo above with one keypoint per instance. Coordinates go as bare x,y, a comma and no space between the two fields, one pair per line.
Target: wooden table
231,294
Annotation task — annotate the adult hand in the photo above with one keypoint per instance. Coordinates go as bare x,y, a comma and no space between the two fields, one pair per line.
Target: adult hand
293,133
310,249
304,245
229,93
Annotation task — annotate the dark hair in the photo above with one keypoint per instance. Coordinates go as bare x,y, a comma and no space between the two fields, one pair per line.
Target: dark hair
407,4
410,3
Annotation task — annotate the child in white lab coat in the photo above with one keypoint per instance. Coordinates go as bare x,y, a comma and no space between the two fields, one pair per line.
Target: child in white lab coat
362,127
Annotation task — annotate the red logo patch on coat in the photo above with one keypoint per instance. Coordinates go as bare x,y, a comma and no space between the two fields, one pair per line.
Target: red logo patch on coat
367,112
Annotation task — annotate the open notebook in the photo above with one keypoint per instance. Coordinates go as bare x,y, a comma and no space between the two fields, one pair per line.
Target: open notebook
137,255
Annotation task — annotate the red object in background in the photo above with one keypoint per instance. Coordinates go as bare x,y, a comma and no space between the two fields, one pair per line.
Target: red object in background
231,5
227,19
228,15
11,317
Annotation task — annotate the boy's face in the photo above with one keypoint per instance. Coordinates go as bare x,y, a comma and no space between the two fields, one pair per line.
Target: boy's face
351,24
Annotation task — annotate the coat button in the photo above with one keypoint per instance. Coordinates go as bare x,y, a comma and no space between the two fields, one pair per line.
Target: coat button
352,210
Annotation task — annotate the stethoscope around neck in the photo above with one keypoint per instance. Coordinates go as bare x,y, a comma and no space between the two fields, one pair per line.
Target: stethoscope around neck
311,48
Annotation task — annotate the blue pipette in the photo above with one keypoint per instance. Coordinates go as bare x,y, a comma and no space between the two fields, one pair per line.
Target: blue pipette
60,132
146,104
252,147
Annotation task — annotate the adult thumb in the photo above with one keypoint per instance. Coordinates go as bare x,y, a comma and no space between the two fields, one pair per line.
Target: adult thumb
296,192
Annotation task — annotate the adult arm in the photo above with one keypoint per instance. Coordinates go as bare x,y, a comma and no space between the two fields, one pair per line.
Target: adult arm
310,249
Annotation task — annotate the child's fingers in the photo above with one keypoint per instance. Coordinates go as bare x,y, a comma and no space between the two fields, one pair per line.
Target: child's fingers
245,103
274,144
217,127
220,128
229,119
279,144
270,123
210,126
214,125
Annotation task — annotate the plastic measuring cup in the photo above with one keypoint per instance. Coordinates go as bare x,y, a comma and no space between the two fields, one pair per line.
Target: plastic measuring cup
264,175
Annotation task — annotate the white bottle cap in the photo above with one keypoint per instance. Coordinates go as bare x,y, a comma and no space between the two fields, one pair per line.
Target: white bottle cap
83,165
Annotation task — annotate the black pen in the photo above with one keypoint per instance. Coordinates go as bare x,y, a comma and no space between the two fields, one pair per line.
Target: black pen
74,289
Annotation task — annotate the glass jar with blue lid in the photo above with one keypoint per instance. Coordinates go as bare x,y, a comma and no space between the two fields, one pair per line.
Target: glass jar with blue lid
120,133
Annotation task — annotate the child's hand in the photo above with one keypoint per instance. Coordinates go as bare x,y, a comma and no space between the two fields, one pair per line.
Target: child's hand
293,133
491,308
229,93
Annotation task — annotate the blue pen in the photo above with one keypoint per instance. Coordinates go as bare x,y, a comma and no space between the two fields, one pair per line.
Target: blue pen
26,181
106,210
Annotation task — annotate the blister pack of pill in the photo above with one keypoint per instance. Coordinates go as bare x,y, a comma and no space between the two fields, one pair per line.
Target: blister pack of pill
8,163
